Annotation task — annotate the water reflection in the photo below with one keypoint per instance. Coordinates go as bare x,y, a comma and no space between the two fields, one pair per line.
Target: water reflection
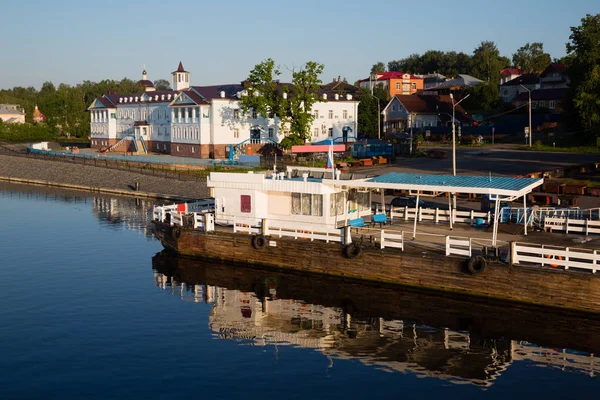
121,212
460,341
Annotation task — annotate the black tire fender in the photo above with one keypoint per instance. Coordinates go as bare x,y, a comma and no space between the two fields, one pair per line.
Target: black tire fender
176,233
352,250
259,242
476,265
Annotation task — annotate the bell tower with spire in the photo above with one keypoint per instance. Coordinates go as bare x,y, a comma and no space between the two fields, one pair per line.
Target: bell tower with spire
181,78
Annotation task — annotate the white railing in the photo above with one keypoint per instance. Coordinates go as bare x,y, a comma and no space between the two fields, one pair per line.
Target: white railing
160,212
392,240
555,256
176,219
305,231
247,225
571,225
458,246
201,206
204,221
438,215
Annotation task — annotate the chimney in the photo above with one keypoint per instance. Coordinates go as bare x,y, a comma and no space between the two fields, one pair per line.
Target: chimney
339,78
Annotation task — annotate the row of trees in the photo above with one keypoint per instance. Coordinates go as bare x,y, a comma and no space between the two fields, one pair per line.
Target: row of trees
64,106
485,63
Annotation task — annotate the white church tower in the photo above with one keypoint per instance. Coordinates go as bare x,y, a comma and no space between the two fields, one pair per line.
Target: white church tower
181,78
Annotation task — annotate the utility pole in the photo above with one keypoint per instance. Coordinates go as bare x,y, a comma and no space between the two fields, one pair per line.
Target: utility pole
453,131
530,131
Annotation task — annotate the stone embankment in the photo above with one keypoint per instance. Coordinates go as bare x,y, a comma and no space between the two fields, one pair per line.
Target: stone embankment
97,179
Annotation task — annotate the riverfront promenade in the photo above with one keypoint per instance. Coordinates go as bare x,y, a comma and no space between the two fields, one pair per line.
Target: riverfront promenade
98,178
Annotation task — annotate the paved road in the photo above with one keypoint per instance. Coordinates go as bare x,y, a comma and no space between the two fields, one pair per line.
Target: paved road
500,160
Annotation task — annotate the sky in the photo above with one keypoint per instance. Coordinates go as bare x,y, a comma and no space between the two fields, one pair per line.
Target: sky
69,41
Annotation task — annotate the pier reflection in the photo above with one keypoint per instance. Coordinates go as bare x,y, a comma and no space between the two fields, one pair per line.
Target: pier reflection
458,340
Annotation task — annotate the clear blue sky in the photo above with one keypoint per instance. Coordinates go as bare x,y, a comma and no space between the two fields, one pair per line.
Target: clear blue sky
220,41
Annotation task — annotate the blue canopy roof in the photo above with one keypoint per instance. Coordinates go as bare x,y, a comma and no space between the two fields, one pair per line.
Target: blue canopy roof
461,184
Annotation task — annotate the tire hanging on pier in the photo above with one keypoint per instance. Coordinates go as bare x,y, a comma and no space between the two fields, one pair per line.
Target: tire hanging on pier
352,250
476,265
259,242
175,232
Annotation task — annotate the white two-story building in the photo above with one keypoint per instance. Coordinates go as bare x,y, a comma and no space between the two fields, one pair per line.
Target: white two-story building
205,121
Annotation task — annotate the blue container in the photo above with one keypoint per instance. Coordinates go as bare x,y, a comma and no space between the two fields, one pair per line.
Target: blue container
479,221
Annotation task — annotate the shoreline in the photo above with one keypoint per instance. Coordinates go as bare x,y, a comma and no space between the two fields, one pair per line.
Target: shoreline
96,179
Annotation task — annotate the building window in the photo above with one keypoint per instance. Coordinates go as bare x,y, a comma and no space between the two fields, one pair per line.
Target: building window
254,114
542,104
552,104
157,146
197,136
330,114
236,114
330,132
414,85
271,133
307,204
316,133
177,149
345,114
406,87
398,85
193,150
164,147
246,203
517,104
316,114
236,133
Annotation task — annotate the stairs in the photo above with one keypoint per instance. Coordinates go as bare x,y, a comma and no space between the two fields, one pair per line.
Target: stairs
119,143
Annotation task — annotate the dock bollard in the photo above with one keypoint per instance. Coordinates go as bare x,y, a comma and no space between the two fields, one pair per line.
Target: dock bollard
137,186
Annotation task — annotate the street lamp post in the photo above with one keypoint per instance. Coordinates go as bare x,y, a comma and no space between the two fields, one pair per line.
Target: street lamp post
530,132
373,76
453,131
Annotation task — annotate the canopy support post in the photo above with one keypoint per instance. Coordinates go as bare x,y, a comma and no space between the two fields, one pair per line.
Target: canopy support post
495,229
416,216
450,209
525,214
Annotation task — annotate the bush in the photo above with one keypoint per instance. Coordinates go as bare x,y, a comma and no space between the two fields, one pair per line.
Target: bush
27,132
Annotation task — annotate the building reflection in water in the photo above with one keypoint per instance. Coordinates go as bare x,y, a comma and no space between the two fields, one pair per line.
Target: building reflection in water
123,212
265,308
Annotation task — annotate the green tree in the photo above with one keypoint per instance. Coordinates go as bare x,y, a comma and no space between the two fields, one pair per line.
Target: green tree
378,67
484,97
162,84
368,109
487,62
583,55
531,58
265,95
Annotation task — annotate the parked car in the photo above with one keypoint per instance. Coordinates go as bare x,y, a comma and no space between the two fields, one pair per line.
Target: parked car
409,201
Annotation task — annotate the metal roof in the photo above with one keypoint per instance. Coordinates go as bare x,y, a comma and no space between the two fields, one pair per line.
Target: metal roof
498,185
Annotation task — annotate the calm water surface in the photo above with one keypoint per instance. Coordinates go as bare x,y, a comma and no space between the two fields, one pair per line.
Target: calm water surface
90,307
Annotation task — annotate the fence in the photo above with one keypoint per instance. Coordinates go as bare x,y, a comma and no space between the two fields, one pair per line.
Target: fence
571,225
437,215
392,240
204,221
458,246
555,256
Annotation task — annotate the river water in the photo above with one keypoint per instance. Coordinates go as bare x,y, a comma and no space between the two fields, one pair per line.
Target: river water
91,308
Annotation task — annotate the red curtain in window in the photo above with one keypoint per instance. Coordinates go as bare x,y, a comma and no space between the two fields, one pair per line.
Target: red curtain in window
246,202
